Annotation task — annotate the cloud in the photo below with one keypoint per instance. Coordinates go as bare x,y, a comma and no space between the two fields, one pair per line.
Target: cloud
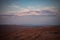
11,9
28,12
55,10
23,11
34,8
44,11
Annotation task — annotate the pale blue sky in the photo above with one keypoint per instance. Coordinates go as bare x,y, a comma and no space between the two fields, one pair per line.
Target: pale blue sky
34,3
15,6
31,2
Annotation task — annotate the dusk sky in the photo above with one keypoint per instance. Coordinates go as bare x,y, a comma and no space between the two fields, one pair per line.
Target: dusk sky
30,12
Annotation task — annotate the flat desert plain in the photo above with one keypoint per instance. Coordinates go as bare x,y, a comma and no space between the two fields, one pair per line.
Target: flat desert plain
14,32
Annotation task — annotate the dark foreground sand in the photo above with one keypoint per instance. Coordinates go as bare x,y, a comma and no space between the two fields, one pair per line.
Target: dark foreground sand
10,32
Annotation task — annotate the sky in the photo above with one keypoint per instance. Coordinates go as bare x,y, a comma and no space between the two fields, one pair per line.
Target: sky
40,12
